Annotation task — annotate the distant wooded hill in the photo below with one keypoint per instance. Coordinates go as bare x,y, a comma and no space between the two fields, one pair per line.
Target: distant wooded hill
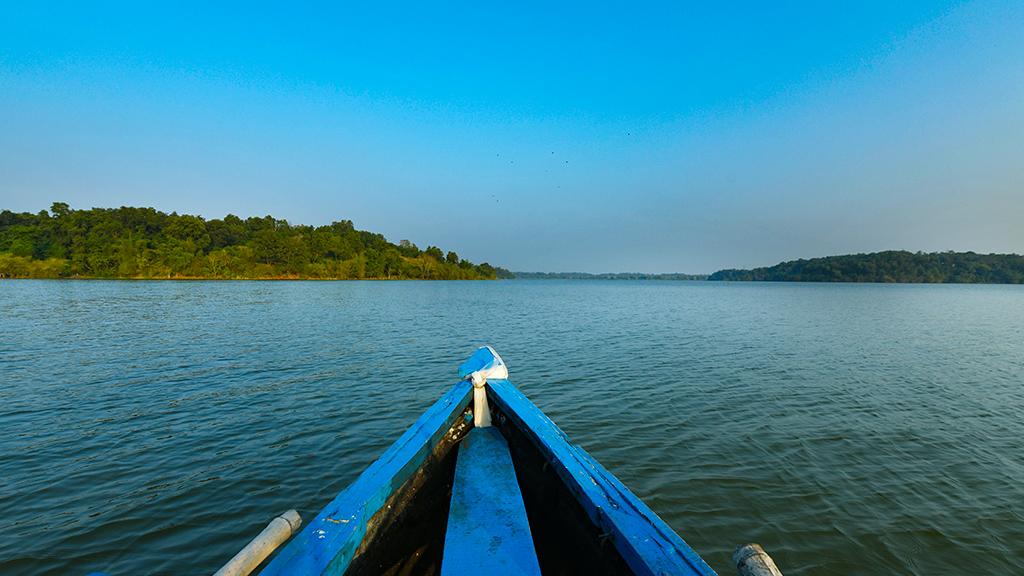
892,266
146,243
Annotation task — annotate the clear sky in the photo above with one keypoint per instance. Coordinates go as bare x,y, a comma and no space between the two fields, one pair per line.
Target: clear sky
572,136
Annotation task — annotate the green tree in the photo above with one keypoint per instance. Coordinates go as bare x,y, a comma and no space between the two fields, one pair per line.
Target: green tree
144,242
435,253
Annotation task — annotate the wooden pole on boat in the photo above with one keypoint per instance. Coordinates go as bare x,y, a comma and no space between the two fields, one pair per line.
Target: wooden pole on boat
752,560
262,546
481,412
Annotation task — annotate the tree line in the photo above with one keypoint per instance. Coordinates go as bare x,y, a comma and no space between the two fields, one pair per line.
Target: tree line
892,266
131,242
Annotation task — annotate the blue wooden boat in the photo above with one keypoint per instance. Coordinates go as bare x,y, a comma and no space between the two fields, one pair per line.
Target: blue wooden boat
485,484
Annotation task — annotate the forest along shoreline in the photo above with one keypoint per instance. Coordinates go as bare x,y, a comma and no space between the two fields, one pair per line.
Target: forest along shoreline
145,244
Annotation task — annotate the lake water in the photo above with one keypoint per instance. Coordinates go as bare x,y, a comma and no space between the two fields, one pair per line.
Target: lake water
155,427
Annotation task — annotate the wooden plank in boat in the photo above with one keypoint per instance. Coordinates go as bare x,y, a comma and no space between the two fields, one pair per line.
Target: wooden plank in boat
488,531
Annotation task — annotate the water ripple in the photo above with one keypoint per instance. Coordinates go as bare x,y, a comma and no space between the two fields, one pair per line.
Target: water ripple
154,427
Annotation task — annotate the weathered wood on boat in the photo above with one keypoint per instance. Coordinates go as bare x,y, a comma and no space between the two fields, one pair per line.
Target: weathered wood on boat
276,533
328,544
648,545
752,560
488,531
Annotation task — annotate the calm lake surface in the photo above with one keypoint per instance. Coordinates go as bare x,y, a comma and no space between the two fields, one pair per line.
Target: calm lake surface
155,427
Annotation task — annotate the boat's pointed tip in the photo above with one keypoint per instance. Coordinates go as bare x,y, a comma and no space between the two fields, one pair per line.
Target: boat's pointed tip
485,360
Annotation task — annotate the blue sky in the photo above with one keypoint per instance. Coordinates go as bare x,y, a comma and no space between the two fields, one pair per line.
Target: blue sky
647,137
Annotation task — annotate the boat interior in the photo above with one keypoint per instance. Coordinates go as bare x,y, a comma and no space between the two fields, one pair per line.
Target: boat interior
422,529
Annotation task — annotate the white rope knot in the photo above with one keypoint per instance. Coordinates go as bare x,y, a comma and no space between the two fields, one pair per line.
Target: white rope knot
483,364
478,379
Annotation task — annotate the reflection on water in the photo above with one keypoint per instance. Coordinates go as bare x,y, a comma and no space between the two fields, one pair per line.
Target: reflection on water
154,427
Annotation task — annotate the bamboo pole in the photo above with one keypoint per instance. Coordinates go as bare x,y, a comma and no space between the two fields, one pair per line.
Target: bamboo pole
752,560
262,546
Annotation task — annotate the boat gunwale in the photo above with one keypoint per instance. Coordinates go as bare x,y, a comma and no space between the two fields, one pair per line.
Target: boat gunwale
649,546
330,542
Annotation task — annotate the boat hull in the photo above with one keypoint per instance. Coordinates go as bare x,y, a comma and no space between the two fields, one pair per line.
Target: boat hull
392,519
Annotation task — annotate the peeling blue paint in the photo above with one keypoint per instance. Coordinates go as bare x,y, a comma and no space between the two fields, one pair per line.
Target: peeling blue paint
488,531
